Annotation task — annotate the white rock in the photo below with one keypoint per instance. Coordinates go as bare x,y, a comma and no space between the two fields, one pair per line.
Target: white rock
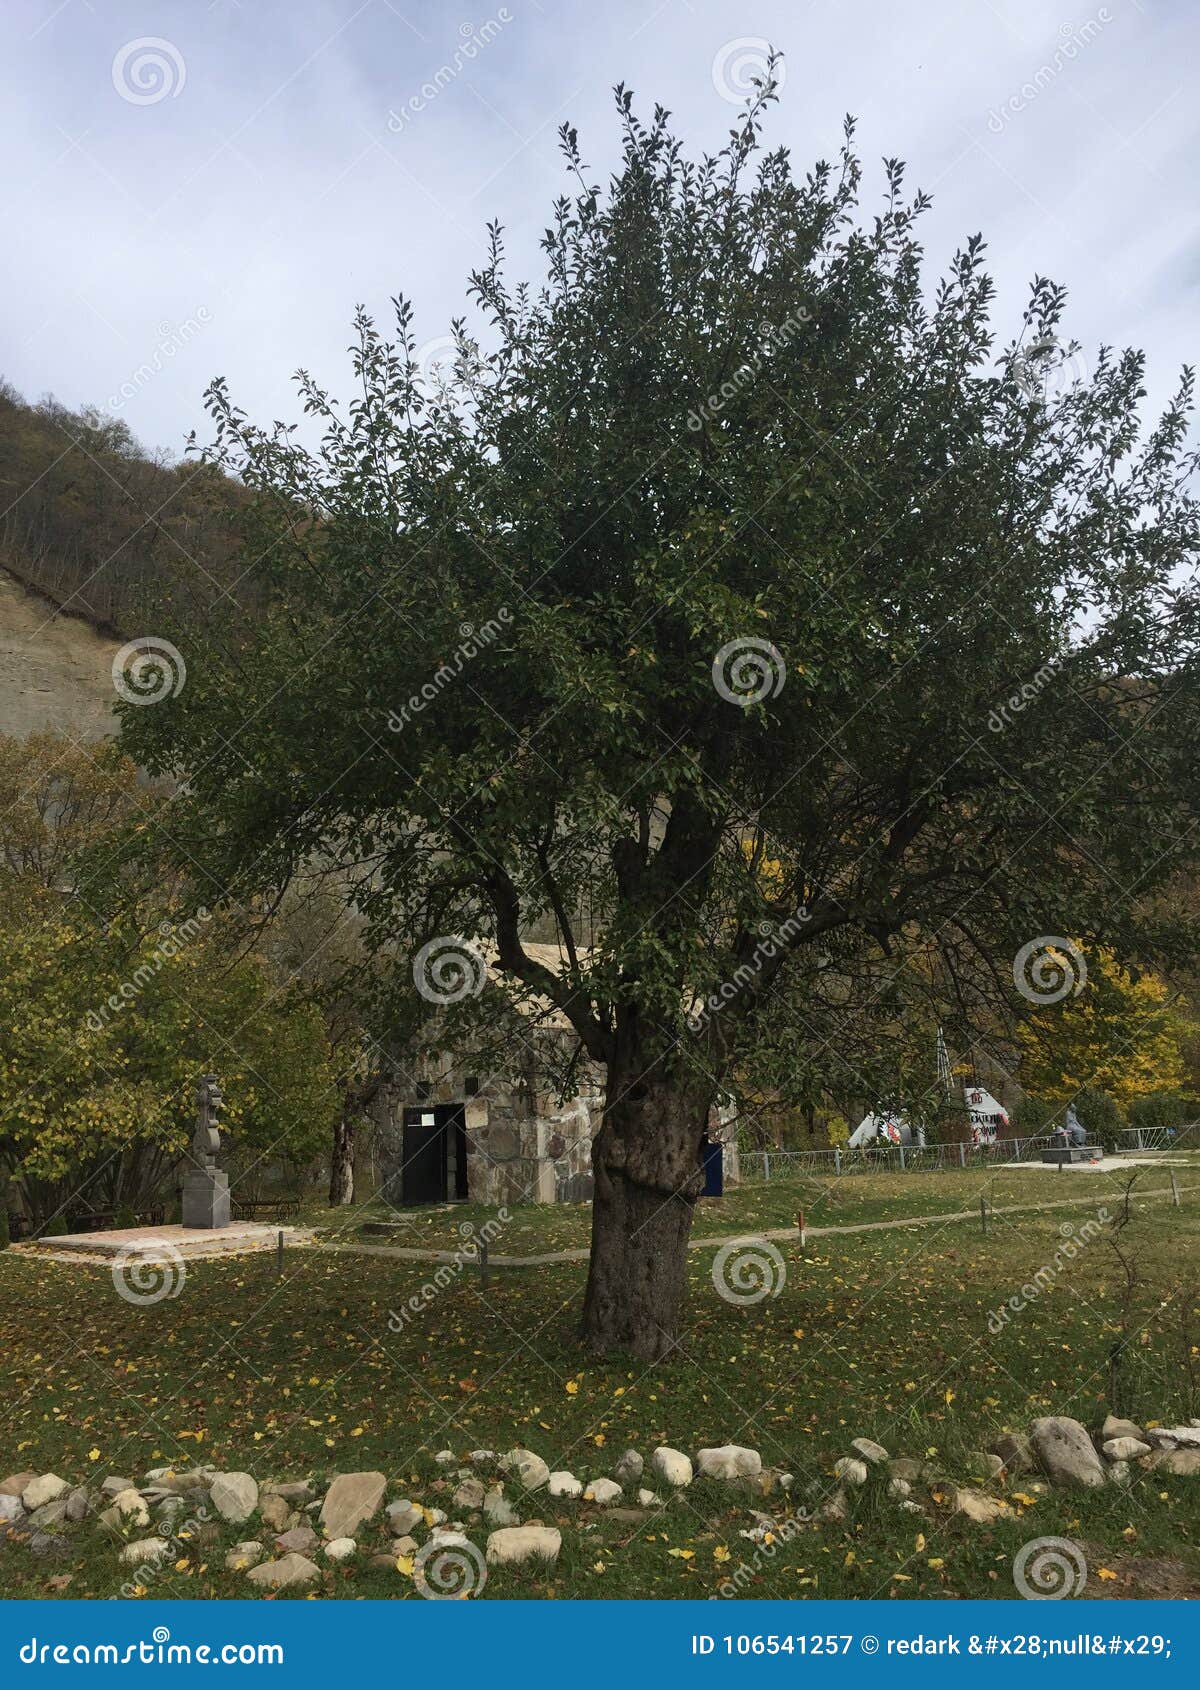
499,1510
351,1500
445,1458
566,1484
628,1468
243,1556
288,1570
234,1496
48,1488
976,1506
898,1489
1120,1473
1114,1427
402,1516
850,1470
469,1493
145,1549
1163,1437
341,1549
602,1491
10,1509
1066,1452
648,1499
529,1468
523,1543
672,1465
113,1486
872,1453
131,1508
1125,1449
728,1461
480,1456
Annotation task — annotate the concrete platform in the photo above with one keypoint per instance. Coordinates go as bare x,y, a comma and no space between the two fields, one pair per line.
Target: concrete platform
1069,1155
193,1243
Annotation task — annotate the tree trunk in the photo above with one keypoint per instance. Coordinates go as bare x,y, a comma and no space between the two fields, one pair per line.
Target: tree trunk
648,1173
341,1168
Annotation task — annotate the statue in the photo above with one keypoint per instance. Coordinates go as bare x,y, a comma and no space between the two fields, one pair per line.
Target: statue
206,1140
205,1186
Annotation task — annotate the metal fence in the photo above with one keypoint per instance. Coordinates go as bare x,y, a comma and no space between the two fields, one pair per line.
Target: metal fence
1160,1138
758,1165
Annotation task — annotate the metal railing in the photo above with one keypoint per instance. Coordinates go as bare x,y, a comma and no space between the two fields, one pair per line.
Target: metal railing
757,1165
1186,1137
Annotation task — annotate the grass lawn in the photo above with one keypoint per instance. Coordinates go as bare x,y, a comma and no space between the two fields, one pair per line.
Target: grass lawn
755,1205
877,1334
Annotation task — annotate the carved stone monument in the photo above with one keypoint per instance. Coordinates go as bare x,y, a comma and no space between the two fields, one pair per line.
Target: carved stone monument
205,1186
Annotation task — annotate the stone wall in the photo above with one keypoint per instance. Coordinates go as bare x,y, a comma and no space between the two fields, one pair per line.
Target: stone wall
523,1144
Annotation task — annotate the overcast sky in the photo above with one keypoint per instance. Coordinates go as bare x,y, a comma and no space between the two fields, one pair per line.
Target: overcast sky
196,188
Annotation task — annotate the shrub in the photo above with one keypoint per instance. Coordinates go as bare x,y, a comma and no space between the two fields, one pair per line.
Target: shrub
1160,1109
1033,1115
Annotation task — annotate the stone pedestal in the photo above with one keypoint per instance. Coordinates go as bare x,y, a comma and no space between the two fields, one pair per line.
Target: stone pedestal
206,1198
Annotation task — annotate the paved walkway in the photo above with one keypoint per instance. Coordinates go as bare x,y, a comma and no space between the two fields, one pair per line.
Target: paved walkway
102,1247
405,1253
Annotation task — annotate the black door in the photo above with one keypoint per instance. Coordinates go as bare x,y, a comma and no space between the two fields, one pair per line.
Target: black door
435,1155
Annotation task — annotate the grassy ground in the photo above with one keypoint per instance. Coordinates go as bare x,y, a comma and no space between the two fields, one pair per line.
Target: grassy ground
881,1334
856,1199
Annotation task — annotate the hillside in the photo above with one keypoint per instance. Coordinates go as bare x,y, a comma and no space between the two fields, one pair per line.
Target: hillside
114,534
55,670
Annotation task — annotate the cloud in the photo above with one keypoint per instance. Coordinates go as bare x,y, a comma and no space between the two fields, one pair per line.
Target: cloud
269,191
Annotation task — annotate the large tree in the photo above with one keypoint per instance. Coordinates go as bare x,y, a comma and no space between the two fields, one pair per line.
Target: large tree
735,541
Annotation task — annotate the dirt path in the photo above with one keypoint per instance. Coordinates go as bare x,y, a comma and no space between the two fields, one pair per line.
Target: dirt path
405,1253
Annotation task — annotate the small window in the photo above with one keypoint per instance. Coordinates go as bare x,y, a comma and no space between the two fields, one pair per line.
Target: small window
471,1086
424,1091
